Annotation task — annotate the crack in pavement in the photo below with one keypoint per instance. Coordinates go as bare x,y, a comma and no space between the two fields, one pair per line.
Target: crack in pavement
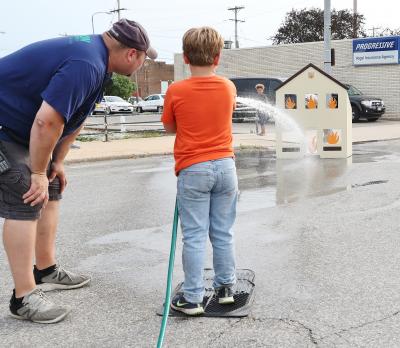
291,322
342,331
294,323
310,332
221,333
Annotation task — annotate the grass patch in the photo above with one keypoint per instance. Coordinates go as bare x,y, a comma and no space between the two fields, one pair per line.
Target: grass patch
117,135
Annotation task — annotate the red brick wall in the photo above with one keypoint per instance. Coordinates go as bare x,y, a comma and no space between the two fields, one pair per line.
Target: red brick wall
150,76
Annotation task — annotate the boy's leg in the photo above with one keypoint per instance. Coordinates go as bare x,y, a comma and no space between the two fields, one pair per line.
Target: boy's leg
194,185
256,122
222,217
19,244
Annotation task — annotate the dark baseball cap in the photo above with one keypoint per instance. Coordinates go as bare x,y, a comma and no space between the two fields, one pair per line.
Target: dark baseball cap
132,34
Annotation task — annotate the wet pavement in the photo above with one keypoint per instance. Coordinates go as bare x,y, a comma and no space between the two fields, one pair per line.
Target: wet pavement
321,235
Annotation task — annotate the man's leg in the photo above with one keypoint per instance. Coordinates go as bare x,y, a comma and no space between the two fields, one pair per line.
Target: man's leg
19,243
46,236
48,274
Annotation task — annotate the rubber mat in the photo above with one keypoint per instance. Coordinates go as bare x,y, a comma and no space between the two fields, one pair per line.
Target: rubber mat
243,295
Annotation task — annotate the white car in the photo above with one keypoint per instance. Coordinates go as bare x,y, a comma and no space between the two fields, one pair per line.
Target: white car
113,104
153,102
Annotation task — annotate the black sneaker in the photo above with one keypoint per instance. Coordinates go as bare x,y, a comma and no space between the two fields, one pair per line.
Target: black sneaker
225,295
180,304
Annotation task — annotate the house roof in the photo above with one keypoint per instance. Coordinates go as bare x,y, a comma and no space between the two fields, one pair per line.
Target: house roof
311,65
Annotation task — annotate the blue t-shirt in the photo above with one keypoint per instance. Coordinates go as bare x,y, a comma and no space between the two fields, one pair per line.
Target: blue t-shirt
68,73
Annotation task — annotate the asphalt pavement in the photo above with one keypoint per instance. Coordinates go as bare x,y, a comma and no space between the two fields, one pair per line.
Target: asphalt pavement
321,235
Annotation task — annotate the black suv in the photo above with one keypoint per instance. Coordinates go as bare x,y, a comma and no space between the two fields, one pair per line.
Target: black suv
363,106
246,88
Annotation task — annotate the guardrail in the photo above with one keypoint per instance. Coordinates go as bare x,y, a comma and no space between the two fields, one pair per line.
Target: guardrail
106,127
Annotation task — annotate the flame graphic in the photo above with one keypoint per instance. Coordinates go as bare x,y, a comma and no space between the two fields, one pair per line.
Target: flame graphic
311,103
332,138
290,104
332,104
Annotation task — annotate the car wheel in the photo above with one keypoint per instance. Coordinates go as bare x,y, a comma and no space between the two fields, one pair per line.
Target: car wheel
139,110
355,113
373,119
159,108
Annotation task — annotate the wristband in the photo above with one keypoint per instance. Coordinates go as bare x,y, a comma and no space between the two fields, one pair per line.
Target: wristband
39,173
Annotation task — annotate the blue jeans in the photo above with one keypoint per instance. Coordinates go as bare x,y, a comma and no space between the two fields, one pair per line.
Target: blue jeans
207,196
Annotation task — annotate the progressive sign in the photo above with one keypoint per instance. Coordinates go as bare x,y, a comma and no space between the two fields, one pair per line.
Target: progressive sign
375,51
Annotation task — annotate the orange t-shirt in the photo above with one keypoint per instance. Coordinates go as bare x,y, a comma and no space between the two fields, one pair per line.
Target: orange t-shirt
202,109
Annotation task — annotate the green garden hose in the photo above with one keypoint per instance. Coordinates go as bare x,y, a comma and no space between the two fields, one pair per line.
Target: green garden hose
169,279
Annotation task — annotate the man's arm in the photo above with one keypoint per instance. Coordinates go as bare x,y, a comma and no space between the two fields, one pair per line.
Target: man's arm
64,145
59,154
46,130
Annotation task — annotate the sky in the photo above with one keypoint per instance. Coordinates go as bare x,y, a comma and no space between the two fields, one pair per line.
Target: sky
25,21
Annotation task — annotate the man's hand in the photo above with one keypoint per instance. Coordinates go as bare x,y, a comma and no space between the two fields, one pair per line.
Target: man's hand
39,190
57,169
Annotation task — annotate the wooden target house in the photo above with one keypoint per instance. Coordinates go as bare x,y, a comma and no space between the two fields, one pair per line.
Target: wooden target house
320,107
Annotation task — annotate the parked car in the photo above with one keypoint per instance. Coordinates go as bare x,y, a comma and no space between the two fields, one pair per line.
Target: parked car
245,87
113,104
153,102
364,106
134,101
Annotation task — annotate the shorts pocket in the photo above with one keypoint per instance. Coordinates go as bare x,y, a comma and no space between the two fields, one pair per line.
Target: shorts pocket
13,186
11,176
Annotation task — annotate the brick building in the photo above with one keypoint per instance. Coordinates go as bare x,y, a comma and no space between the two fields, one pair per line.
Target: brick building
284,60
151,75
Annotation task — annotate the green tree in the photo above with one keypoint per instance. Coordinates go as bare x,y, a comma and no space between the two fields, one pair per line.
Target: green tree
307,25
121,86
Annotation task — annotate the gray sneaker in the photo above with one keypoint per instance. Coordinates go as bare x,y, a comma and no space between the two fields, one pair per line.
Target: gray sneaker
60,279
37,307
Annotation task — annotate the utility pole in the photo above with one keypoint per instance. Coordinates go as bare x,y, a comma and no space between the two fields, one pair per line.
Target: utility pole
355,19
236,9
118,9
327,36
373,30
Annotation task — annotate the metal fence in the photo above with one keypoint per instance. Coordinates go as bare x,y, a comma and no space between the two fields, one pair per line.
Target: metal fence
108,126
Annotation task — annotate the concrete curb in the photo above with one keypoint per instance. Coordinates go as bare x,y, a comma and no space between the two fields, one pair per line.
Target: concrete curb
116,157
170,153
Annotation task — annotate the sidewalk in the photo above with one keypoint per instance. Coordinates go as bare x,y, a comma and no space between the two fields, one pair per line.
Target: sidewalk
142,147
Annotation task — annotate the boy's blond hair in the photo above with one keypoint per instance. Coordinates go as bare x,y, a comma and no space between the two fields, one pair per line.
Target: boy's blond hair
202,45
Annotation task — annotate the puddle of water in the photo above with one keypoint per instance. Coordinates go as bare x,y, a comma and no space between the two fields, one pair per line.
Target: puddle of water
266,182
152,170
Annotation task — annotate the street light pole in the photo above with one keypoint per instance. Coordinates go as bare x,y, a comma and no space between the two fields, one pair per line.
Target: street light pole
108,12
118,10
327,36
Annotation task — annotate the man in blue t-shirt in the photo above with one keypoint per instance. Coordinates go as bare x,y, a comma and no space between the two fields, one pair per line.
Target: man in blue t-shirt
47,90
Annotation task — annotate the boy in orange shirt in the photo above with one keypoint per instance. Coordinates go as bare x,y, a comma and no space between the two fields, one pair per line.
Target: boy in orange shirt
199,109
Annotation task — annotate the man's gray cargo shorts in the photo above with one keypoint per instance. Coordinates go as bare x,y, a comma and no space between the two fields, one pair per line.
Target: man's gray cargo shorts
16,182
